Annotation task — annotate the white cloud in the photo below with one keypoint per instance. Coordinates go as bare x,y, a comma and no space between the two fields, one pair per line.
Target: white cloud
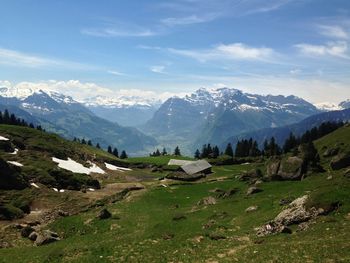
337,49
333,31
20,59
158,69
116,73
235,51
188,20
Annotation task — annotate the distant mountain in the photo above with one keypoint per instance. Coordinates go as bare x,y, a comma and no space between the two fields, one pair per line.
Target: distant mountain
281,133
214,115
128,111
345,104
63,115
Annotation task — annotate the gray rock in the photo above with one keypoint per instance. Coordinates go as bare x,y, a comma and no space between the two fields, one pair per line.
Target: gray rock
251,175
251,208
46,237
26,231
33,236
104,214
331,152
253,190
340,161
207,201
291,168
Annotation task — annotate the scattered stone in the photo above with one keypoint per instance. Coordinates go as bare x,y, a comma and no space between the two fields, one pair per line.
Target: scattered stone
286,201
207,201
340,161
226,194
331,152
33,236
209,224
347,174
62,213
329,177
251,175
216,236
46,237
168,236
33,223
26,231
179,217
198,239
251,208
104,214
253,190
286,230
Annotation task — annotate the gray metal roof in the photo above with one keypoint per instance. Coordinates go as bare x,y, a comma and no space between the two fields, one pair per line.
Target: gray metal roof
196,167
179,162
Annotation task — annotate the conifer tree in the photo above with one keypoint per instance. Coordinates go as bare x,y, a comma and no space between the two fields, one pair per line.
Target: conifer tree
197,154
115,152
177,151
123,155
229,150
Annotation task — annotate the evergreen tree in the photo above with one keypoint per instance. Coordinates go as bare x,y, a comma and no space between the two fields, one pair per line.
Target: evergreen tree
98,146
157,152
290,143
229,150
177,151
197,154
216,152
89,143
123,155
115,152
164,152
109,150
83,141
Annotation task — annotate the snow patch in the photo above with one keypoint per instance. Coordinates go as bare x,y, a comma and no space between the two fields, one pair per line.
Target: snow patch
35,185
75,167
3,138
15,163
15,151
116,168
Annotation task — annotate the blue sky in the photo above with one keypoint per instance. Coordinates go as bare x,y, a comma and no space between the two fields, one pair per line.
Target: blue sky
85,48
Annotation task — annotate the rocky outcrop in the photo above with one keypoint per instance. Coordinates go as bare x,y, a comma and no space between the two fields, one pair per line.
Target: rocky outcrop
340,161
207,201
251,175
331,152
184,177
295,213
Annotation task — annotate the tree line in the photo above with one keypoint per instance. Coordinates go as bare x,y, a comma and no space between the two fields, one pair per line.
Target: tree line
114,151
250,148
11,119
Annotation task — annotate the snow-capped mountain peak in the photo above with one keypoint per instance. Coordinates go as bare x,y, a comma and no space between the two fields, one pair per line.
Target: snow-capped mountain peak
327,106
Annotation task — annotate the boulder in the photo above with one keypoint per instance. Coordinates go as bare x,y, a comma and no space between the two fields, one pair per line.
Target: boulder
340,161
179,217
251,175
181,176
207,201
46,237
104,214
226,194
251,208
253,190
331,152
272,168
33,236
291,168
26,231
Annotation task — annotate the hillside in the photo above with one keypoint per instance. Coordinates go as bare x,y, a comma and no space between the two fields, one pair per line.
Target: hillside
215,219
282,133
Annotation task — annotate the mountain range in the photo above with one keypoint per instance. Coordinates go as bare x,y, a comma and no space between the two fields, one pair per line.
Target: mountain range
215,116
63,115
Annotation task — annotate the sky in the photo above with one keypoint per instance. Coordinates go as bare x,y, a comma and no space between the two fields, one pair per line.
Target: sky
161,48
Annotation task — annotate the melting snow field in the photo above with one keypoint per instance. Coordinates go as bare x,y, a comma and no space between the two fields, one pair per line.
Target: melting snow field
116,168
15,163
35,185
75,167
15,151
3,138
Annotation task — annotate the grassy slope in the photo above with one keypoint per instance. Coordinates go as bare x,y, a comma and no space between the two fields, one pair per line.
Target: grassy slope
145,220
